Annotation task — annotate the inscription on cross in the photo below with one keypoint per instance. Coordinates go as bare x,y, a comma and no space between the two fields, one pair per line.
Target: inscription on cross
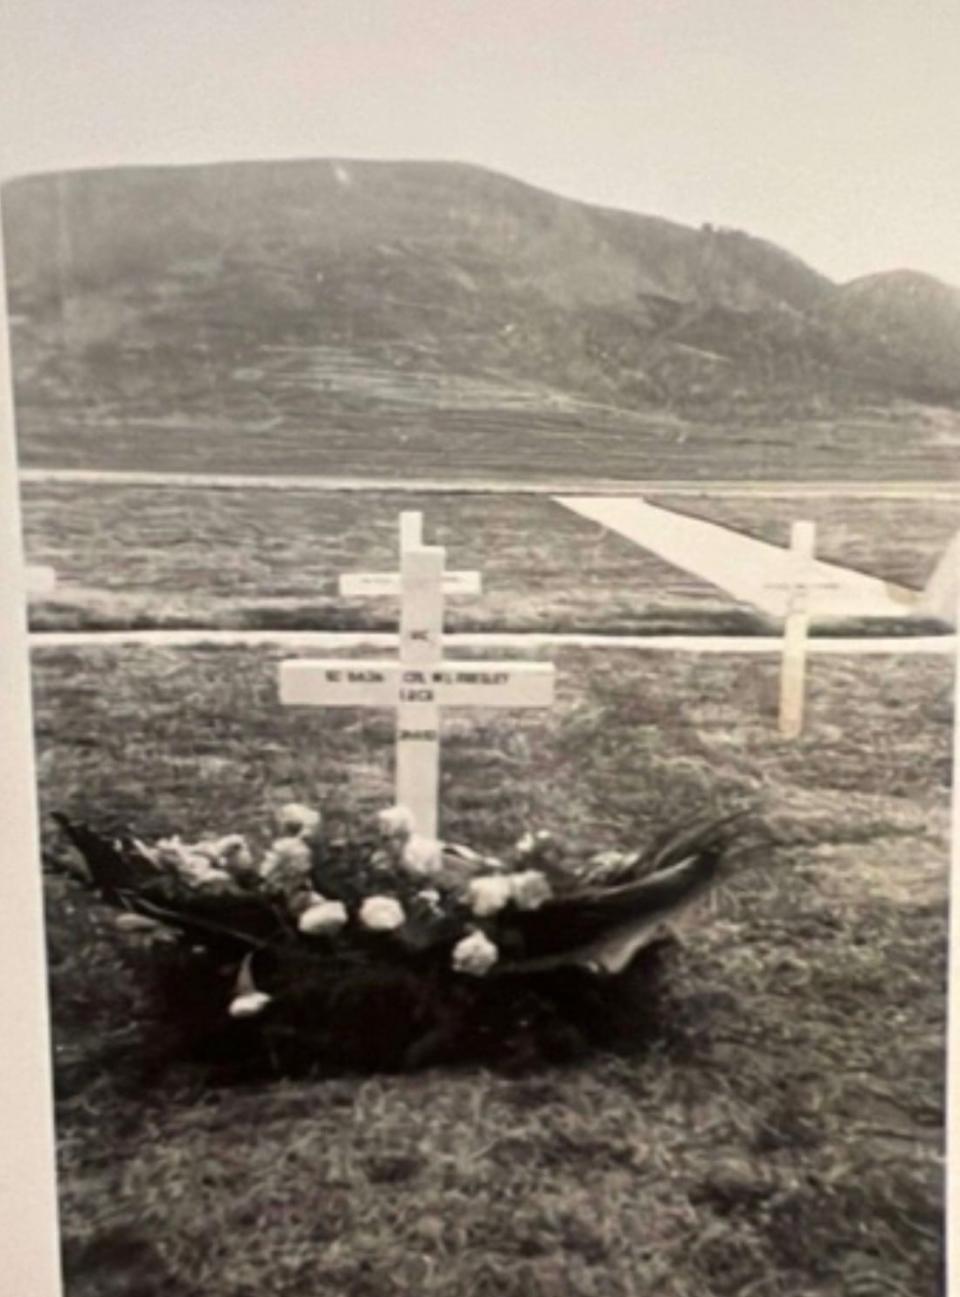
420,683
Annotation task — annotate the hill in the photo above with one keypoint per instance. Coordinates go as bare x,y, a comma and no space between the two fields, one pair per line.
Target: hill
273,297
911,319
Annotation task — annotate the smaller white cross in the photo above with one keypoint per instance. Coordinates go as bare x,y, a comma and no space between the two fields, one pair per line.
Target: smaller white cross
40,582
796,627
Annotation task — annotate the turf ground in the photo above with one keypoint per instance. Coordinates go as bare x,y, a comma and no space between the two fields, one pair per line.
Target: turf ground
785,1139
168,557
551,439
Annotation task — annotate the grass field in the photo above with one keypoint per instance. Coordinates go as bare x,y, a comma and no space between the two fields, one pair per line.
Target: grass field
556,440
168,557
785,1138
173,557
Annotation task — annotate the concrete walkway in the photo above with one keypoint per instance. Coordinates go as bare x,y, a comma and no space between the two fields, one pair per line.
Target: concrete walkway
291,639
753,571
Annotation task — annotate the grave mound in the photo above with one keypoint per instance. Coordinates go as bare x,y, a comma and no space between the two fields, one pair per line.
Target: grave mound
384,950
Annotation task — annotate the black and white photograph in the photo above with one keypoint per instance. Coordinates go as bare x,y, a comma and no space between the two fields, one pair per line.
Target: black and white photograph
480,655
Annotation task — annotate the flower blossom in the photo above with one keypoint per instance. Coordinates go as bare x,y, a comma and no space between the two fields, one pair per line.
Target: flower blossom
233,854
529,889
222,851
475,954
216,880
422,857
430,897
322,918
396,822
193,864
487,896
289,857
382,914
286,870
534,844
298,821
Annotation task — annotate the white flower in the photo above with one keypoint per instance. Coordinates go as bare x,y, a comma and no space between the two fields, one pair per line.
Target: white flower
213,879
475,955
249,1004
149,853
529,890
323,918
298,821
422,857
232,853
605,861
173,853
431,898
289,855
382,914
396,822
526,845
192,863
487,896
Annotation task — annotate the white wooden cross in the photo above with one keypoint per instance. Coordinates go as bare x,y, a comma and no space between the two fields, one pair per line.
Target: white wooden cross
797,625
40,582
420,682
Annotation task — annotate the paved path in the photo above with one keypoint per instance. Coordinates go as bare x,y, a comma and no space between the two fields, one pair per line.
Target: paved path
753,571
489,486
484,639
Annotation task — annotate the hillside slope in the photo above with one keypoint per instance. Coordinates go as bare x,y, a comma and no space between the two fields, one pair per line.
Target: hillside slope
274,296
911,319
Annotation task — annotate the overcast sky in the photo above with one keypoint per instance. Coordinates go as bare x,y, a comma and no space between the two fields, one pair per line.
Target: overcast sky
829,126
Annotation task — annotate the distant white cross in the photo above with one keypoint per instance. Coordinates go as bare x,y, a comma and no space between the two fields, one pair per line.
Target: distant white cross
420,682
40,581
800,589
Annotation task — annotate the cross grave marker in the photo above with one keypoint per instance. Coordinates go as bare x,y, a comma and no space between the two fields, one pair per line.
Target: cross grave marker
796,625
40,582
420,682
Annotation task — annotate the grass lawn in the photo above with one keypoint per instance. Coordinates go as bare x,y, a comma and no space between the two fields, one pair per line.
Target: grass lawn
169,557
785,1140
230,558
550,439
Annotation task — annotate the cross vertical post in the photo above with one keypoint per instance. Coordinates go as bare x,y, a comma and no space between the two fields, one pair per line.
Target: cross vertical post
411,530
421,648
796,627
